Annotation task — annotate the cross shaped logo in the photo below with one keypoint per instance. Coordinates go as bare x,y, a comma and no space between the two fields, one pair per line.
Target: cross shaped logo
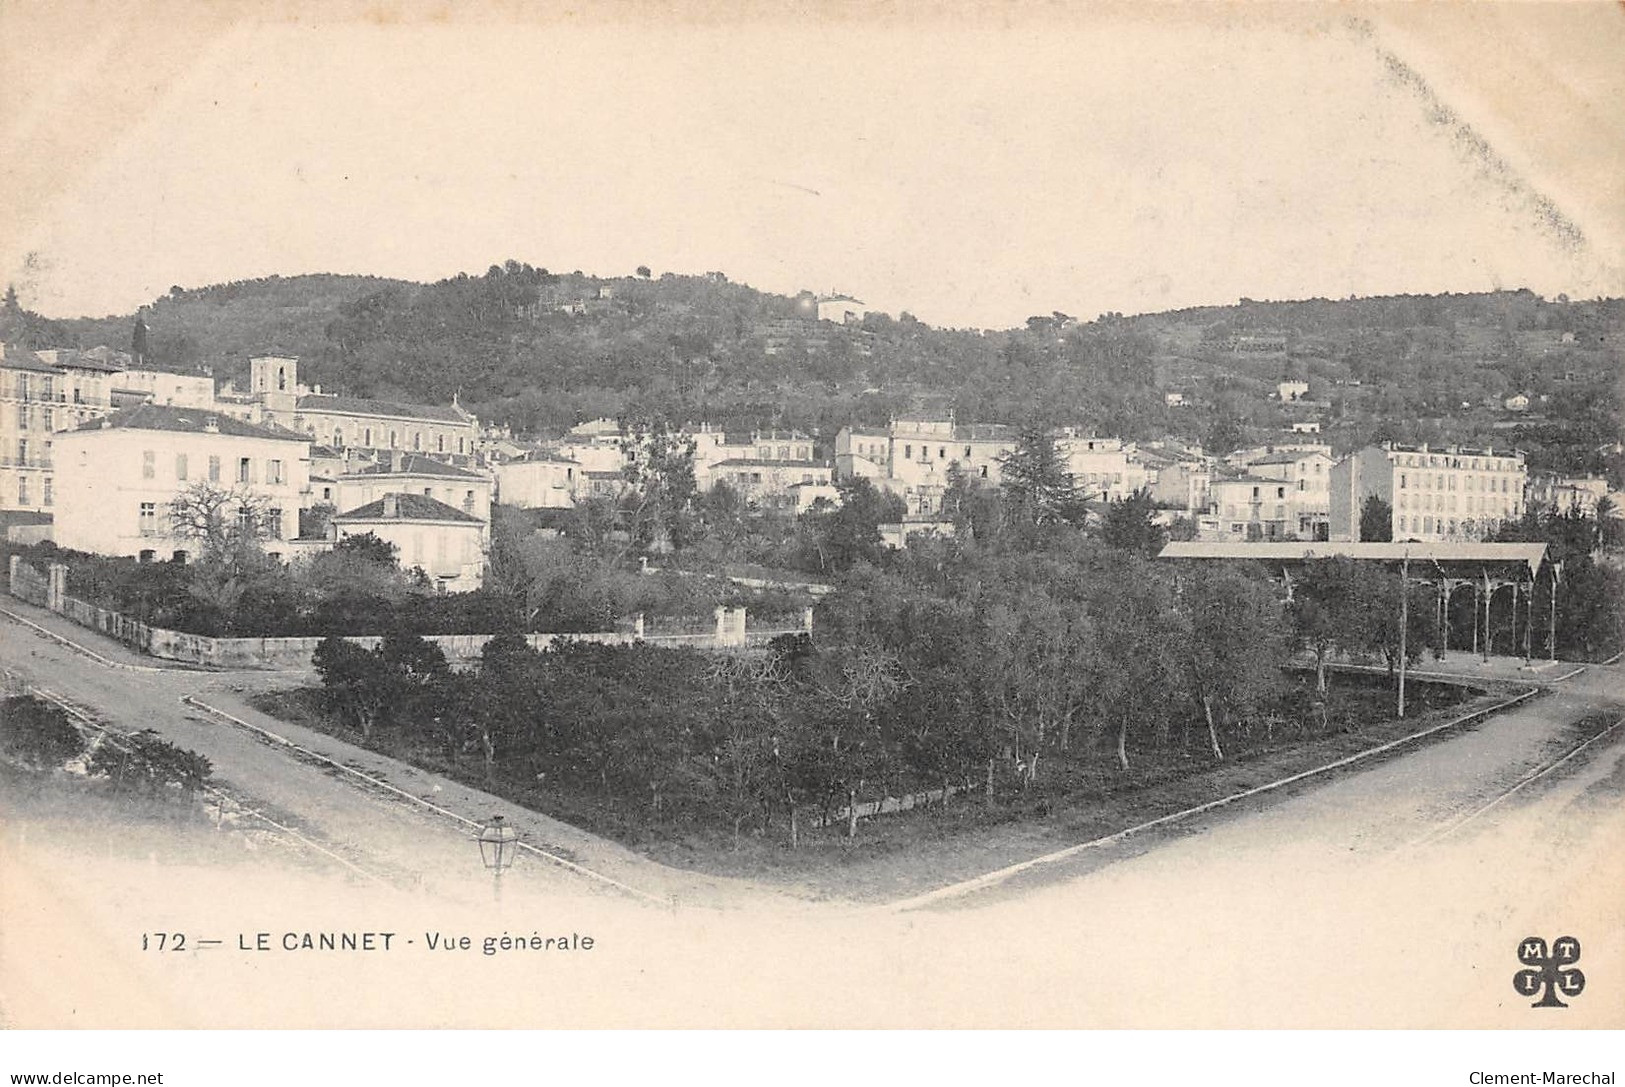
1548,977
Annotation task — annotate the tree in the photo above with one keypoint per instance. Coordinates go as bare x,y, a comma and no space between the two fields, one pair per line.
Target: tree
1130,525
660,469
37,734
1036,485
369,548
355,681
1238,643
138,340
1376,520
220,521
644,272
840,538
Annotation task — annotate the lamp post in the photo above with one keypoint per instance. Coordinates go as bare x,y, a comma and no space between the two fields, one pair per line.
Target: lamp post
498,844
1404,621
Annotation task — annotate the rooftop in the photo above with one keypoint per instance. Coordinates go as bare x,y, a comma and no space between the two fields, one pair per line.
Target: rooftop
415,464
408,507
1465,553
358,405
188,421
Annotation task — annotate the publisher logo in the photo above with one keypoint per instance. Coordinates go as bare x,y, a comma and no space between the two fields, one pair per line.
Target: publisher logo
1551,971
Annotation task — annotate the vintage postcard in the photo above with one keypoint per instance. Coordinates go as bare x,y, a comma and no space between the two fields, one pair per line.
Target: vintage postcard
697,515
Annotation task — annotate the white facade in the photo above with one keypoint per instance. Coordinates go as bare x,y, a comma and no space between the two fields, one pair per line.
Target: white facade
1435,494
116,479
459,488
1251,508
428,534
173,390
42,395
539,481
1103,468
1307,474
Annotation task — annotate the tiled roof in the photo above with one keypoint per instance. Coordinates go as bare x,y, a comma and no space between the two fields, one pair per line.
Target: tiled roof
416,464
745,462
408,507
188,421
1288,456
358,405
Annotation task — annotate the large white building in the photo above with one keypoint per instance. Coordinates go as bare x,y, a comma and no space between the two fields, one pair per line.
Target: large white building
351,422
1307,474
539,480
413,473
116,478
41,395
916,457
444,542
1434,494
1103,468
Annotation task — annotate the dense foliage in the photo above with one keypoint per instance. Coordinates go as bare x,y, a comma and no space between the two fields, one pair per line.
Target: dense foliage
539,351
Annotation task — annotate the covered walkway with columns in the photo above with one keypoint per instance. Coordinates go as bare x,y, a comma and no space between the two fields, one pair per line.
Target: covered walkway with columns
1497,614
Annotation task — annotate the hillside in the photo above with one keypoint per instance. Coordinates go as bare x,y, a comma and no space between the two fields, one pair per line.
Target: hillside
538,351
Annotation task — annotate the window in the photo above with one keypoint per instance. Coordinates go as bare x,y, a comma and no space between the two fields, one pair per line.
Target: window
468,502
908,452
366,437
417,441
148,521
394,439
1402,481
50,418
784,452
22,490
22,451
45,491
273,523
22,416
180,465
245,520
984,471
967,452
439,443
214,469
273,472
243,470
459,445
338,439
942,454
149,464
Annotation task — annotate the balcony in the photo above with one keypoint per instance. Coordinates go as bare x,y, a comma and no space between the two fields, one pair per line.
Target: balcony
33,460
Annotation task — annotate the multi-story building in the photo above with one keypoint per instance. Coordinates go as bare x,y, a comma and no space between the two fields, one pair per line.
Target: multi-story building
413,473
917,457
351,422
170,390
118,475
1250,508
447,544
1105,469
1434,494
539,481
1307,474
41,395
1566,493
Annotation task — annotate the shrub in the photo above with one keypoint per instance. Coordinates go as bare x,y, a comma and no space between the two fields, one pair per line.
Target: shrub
37,734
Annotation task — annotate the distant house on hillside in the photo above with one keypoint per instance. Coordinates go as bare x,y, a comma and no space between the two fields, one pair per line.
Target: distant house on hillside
1516,402
1289,391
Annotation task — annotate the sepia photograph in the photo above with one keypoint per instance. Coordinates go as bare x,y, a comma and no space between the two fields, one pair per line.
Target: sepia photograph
953,517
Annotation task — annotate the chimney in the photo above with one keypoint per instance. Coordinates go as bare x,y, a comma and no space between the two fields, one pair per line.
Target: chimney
392,506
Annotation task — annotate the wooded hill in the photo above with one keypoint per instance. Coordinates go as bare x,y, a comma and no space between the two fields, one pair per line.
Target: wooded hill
538,351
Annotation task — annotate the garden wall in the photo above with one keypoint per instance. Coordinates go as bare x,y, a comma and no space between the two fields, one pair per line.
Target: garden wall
730,631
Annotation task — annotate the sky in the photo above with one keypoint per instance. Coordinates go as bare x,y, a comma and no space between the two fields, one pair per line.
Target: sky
970,165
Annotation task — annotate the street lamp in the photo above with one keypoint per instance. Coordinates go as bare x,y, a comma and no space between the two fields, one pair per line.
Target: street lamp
498,844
